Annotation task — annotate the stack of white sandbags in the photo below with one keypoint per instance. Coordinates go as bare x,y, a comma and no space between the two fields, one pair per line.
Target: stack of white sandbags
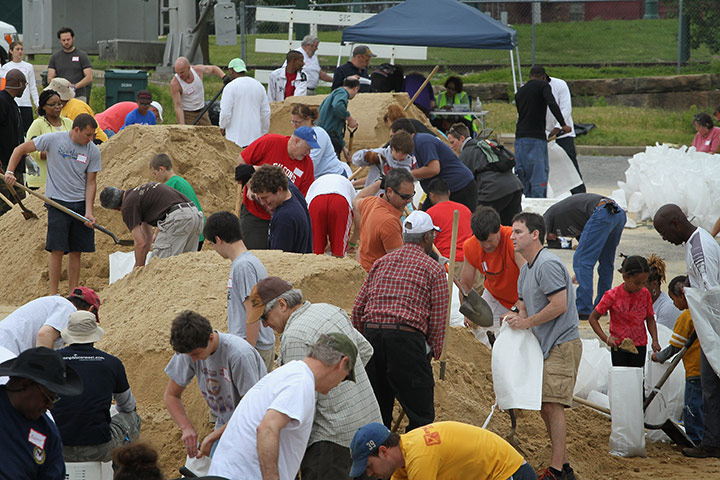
664,174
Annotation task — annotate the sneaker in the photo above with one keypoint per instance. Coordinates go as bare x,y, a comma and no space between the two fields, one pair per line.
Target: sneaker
547,474
567,472
702,451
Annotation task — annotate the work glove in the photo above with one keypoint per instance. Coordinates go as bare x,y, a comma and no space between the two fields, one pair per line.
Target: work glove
31,166
227,79
243,173
372,158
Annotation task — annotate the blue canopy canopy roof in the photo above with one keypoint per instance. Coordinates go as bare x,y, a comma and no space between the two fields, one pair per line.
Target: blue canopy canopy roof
433,23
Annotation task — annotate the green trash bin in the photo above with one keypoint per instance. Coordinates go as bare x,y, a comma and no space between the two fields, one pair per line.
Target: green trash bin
123,85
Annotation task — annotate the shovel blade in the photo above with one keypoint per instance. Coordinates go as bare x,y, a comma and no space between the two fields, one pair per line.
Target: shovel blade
677,434
476,309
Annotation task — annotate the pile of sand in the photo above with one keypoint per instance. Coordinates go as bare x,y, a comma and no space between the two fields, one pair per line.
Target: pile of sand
200,154
138,310
367,108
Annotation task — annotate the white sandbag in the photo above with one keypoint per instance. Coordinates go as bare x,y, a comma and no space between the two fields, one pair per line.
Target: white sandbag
457,319
594,368
599,399
122,263
5,354
199,466
563,176
705,310
627,437
517,369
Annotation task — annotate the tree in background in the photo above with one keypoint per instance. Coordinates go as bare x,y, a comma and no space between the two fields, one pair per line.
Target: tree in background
701,24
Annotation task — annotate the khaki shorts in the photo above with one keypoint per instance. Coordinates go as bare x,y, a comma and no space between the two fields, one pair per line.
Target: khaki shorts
191,116
268,357
560,371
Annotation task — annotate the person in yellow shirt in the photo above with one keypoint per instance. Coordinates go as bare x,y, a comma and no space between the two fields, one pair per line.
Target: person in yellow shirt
682,331
442,451
72,107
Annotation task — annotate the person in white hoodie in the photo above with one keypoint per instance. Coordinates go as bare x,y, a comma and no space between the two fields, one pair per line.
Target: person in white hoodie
16,62
244,107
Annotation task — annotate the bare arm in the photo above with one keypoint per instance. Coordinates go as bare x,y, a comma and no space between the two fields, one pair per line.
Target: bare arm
369,191
90,190
86,80
467,277
594,321
268,442
208,441
173,402
652,328
428,171
209,70
325,77
142,237
46,336
252,330
176,94
18,154
51,73
716,228
557,305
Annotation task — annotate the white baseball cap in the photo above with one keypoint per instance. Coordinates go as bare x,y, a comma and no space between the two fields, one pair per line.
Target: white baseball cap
159,108
419,222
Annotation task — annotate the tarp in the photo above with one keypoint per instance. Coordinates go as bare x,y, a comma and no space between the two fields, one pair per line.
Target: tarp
433,23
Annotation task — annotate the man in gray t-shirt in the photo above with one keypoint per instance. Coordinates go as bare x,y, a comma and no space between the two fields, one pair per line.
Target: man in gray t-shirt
71,63
546,304
73,161
226,367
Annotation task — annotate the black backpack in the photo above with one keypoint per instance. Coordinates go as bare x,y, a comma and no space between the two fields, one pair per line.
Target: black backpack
499,158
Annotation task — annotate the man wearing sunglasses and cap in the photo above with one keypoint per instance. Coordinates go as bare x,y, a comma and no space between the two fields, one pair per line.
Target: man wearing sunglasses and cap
88,432
401,309
348,406
142,114
30,443
269,430
39,322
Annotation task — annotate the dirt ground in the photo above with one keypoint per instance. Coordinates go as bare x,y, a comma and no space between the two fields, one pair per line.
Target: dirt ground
137,310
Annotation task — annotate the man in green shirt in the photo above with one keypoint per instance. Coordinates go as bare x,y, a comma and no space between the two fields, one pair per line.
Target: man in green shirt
162,169
334,114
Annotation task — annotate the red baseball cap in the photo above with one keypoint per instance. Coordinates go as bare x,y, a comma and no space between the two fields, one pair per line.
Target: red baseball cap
89,296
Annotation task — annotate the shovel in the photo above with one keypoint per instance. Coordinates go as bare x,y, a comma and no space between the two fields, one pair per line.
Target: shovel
75,215
350,143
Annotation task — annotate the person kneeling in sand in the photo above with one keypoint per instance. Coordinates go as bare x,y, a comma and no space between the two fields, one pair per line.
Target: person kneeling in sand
178,220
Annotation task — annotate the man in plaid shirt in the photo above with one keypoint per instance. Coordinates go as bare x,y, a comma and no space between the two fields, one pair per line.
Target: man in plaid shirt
401,309
347,407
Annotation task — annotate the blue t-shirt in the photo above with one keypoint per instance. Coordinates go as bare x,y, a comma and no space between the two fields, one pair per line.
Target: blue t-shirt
452,170
290,229
85,419
136,117
31,449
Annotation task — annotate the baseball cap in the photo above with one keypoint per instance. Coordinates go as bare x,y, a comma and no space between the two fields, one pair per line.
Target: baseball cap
144,95
363,50
366,440
343,344
238,65
307,134
88,295
419,222
159,108
266,290
62,87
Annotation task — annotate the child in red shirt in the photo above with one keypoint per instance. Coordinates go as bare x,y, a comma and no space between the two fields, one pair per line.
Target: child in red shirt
630,306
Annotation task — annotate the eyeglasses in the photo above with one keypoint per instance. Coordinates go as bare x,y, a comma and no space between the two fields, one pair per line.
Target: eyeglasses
296,122
52,399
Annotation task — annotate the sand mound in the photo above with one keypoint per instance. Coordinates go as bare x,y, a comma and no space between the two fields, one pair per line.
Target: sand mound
367,108
137,312
200,154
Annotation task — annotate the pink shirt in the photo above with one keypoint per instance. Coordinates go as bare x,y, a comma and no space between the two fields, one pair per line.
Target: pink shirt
114,117
707,144
628,312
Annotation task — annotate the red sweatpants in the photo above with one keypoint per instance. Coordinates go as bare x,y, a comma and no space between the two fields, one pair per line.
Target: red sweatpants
331,217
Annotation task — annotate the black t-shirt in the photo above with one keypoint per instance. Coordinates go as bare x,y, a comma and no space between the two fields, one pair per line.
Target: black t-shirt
149,203
568,217
532,101
85,419
10,129
348,70
70,66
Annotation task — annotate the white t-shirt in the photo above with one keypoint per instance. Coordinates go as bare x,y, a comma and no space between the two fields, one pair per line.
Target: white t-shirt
244,111
665,311
311,69
289,389
331,183
18,331
31,88
561,92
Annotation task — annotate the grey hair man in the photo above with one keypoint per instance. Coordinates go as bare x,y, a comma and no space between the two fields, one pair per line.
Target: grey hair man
153,204
312,69
348,406
270,428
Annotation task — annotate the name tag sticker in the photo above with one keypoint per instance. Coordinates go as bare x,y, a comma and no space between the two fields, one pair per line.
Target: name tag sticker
707,143
81,158
226,374
229,286
37,438
298,172
75,59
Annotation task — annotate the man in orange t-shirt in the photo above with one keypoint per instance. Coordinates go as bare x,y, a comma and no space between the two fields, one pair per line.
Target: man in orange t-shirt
380,229
442,215
490,252
292,154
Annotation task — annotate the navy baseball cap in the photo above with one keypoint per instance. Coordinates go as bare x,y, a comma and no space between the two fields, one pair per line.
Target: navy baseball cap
307,134
366,440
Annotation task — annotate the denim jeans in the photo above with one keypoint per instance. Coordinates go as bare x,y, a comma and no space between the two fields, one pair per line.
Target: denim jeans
692,412
711,403
598,242
532,166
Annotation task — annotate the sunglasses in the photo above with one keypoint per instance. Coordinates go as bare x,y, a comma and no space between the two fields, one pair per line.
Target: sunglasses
52,397
404,196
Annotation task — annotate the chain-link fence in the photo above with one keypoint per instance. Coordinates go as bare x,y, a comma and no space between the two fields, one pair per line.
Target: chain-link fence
588,33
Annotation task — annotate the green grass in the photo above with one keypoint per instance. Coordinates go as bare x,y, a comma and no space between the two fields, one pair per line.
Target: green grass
615,125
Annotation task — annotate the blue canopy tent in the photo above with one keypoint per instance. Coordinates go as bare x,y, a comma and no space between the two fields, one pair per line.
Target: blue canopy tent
436,23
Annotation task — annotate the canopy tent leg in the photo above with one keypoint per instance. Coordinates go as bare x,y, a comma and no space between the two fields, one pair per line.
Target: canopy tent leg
512,67
517,55
339,53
